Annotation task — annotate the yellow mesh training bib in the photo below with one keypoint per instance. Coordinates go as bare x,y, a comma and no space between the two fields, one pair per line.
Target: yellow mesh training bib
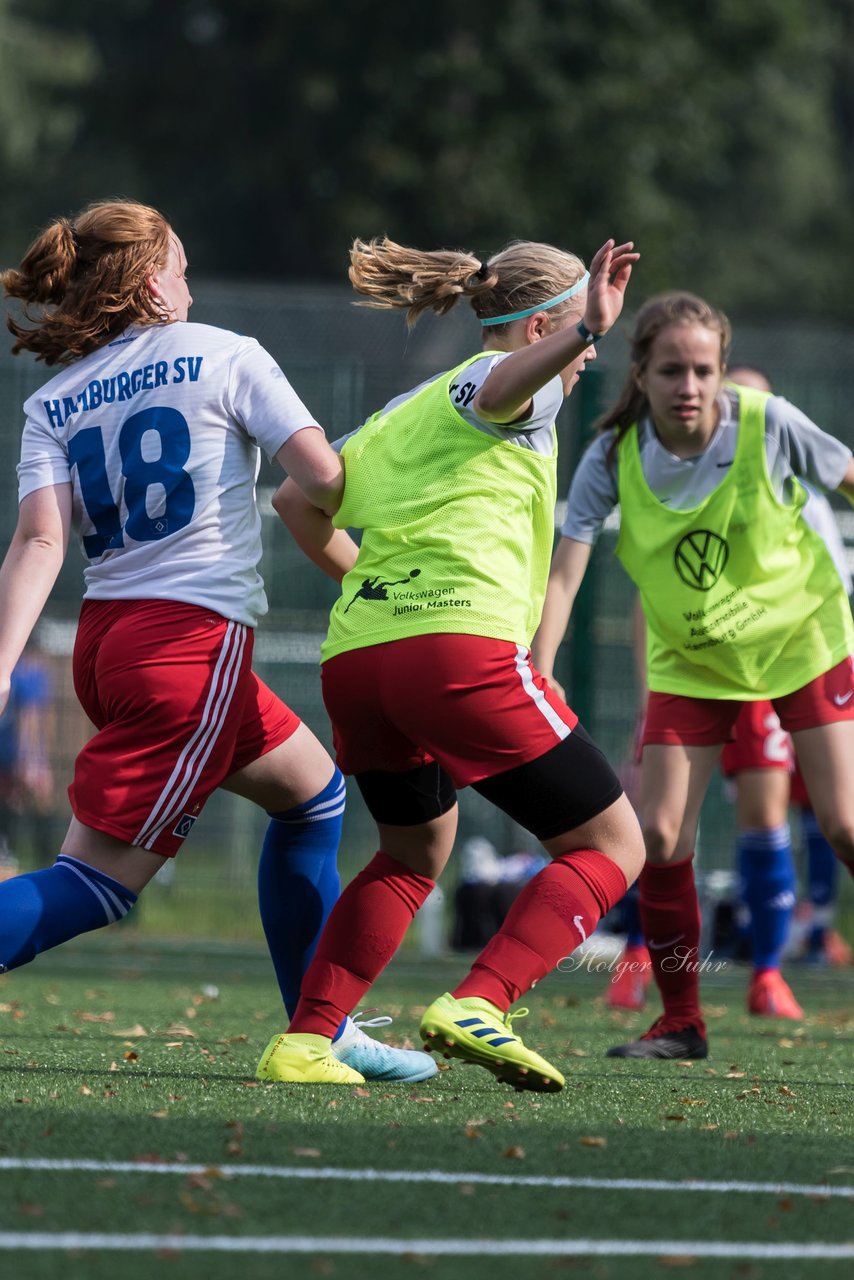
458,527
741,596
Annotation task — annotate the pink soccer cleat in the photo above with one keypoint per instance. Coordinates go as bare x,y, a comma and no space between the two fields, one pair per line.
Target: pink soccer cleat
770,996
631,977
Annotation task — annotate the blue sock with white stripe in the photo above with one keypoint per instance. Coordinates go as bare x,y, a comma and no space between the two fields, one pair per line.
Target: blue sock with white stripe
768,888
298,882
44,908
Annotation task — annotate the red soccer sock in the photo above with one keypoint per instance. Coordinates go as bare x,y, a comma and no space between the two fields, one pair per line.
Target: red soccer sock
670,915
363,932
555,912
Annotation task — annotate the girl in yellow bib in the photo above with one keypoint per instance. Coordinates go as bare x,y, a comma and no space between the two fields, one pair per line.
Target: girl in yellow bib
427,674
742,603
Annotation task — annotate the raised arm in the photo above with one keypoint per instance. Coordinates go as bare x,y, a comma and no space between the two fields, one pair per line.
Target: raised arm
331,549
565,577
507,391
29,571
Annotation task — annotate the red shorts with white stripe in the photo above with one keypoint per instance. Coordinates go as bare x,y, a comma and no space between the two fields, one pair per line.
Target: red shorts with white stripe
672,718
475,705
177,709
758,742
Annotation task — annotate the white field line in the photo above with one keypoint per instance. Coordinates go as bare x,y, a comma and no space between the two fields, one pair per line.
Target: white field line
321,1173
429,1247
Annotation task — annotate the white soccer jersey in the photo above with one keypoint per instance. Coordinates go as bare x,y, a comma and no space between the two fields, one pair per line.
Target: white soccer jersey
158,433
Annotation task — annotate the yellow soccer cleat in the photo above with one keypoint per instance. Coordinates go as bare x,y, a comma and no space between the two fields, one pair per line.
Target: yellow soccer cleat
304,1059
476,1031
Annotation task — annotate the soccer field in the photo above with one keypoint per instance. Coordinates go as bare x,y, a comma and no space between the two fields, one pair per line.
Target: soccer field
133,1134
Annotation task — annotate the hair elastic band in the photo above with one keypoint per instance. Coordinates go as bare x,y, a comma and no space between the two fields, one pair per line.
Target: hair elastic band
483,271
541,306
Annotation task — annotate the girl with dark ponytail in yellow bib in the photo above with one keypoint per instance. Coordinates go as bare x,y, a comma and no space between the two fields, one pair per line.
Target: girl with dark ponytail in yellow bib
742,603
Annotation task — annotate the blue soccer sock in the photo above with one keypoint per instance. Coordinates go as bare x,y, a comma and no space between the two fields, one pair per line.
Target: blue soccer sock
298,882
822,879
631,917
44,908
768,887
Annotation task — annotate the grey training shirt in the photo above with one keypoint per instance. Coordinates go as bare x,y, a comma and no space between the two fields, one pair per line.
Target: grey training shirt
794,446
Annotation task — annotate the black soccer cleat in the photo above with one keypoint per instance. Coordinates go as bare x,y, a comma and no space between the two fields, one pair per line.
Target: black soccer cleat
663,1042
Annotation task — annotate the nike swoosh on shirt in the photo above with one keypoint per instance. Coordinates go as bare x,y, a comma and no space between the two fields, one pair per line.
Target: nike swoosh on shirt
660,946
841,698
725,464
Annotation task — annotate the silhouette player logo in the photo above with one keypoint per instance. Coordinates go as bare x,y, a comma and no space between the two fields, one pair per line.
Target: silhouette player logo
376,589
700,558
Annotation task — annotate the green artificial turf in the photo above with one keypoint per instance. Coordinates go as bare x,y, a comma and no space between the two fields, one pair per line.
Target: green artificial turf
118,1050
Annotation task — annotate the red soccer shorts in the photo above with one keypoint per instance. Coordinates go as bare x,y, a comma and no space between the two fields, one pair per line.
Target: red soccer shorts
475,705
177,709
697,722
758,742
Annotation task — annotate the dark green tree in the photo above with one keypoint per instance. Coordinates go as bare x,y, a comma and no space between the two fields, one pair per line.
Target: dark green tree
718,134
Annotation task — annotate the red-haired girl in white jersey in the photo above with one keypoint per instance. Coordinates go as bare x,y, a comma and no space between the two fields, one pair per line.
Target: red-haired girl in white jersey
146,444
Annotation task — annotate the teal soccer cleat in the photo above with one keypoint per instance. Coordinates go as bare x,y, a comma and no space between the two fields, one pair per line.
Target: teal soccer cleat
376,1061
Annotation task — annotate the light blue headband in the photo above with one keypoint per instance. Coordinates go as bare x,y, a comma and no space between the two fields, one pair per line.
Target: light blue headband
541,306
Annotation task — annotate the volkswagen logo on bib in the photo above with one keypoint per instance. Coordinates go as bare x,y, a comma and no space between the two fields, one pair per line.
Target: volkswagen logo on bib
700,558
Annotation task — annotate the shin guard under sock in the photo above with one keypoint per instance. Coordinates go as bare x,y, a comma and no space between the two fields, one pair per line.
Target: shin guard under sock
298,882
768,888
44,908
670,911
363,932
556,911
